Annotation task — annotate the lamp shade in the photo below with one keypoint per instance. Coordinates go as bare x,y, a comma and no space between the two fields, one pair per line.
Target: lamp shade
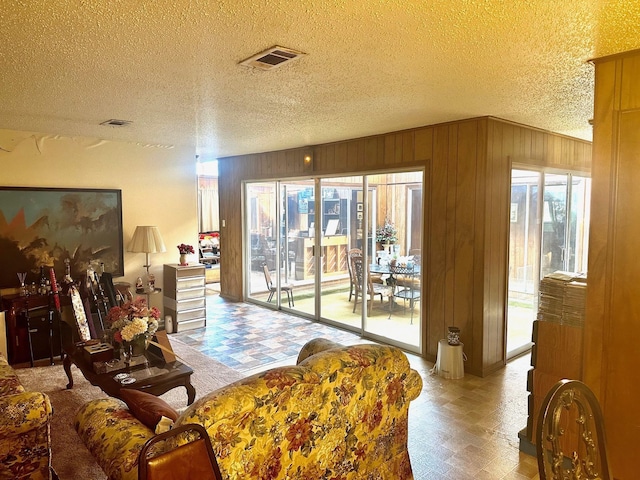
146,239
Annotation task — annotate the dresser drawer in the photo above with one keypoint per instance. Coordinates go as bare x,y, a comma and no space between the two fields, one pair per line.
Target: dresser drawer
190,282
182,305
186,315
196,271
189,293
190,324
189,304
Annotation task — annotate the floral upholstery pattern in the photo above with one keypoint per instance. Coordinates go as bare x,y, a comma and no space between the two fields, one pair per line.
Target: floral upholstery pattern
113,436
25,417
340,414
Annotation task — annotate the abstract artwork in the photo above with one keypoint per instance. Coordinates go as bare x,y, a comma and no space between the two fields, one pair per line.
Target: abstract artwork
46,226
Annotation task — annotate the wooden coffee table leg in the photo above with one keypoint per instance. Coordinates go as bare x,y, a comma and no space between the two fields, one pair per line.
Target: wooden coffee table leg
66,364
191,392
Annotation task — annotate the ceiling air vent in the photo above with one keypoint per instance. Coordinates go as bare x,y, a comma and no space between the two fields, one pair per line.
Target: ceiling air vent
116,123
273,58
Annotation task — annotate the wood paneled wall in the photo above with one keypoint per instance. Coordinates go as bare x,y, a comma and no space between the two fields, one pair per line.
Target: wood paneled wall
612,325
466,214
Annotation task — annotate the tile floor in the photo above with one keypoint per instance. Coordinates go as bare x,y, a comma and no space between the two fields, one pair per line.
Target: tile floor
458,429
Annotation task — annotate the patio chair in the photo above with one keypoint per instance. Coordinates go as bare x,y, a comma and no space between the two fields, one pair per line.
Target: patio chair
407,287
287,288
373,289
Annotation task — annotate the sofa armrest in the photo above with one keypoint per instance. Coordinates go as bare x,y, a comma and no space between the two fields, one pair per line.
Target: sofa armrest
23,412
9,381
113,436
314,346
413,385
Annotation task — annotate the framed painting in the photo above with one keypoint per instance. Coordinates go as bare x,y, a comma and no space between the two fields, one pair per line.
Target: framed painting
46,226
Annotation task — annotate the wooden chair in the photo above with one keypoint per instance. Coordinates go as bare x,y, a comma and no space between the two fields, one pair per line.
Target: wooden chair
192,461
287,288
373,289
352,283
570,438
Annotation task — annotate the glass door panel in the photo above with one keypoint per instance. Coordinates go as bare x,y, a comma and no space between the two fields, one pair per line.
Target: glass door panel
341,217
524,259
261,226
299,217
395,257
578,238
554,224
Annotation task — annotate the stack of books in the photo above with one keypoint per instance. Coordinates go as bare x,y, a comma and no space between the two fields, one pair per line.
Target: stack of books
562,298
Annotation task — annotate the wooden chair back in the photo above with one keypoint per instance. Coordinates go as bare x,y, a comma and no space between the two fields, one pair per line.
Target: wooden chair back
570,439
354,252
192,461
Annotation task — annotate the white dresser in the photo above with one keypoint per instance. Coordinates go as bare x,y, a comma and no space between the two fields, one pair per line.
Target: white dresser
184,296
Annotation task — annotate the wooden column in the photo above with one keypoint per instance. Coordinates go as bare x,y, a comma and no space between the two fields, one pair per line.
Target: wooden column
612,327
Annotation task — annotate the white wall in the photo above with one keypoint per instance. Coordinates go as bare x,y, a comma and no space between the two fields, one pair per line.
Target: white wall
159,185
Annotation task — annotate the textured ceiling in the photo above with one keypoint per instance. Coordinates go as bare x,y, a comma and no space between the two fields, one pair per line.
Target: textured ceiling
373,66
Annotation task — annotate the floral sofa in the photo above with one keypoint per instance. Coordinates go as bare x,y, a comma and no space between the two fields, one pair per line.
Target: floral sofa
340,413
25,419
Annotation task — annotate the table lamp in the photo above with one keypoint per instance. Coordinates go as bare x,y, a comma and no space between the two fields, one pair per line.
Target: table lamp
147,239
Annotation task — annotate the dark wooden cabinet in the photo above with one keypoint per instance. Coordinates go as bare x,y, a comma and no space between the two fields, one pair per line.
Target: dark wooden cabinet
33,325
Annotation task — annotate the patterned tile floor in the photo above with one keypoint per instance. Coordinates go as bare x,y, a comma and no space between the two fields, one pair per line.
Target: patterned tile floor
247,337
458,429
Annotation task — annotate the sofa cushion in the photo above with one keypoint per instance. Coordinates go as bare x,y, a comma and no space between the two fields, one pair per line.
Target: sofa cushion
147,408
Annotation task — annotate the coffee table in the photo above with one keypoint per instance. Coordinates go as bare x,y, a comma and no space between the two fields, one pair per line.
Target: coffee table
156,377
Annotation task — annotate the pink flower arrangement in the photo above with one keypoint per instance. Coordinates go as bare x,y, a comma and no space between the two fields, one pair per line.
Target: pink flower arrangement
132,319
184,249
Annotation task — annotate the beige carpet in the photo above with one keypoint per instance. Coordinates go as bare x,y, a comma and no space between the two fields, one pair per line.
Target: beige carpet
70,458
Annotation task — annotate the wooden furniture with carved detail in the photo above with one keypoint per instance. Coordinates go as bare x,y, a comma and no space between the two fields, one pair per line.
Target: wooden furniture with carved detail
157,376
571,435
33,328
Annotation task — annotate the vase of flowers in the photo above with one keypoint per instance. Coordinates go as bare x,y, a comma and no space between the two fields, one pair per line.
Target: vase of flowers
131,324
387,234
184,249
136,346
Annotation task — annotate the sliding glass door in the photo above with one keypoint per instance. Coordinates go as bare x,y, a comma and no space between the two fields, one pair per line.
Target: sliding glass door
301,237
549,228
